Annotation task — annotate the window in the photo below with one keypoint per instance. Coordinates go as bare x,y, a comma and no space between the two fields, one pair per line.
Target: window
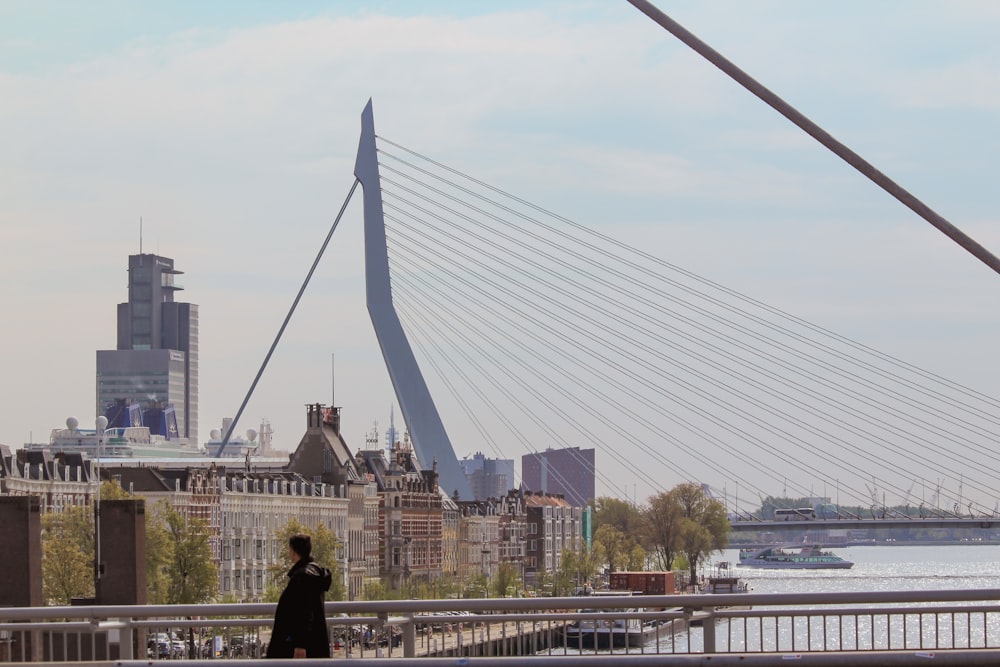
141,325
141,293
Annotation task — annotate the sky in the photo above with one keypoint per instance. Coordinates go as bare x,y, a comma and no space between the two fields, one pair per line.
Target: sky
230,129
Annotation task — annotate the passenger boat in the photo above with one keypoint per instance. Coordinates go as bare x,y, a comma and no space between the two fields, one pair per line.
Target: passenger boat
808,557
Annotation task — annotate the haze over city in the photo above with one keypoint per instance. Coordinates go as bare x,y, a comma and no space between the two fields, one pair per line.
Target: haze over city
231,131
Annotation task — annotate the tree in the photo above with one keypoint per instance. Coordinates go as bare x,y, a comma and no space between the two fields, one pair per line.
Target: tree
614,546
576,568
67,555
506,577
477,586
703,527
185,561
621,514
544,582
637,558
660,520
375,590
159,553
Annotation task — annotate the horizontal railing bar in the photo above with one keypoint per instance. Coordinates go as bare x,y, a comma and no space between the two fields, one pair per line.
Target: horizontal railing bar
830,659
381,607
855,611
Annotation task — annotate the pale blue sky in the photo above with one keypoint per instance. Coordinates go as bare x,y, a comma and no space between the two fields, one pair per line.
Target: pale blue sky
231,129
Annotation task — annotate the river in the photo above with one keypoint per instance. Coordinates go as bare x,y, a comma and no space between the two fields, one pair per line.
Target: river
884,568
876,568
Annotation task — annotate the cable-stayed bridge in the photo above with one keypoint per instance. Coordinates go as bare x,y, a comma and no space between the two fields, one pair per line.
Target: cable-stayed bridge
537,332
522,330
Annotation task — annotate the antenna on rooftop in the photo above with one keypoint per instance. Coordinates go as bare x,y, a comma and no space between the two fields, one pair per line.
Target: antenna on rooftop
140,234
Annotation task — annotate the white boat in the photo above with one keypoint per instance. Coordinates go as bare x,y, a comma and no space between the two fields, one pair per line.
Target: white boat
808,557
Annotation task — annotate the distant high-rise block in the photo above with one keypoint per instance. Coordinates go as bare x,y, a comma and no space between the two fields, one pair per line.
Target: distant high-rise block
156,360
569,471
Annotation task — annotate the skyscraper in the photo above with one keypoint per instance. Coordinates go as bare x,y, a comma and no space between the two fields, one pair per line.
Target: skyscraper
488,478
569,471
156,360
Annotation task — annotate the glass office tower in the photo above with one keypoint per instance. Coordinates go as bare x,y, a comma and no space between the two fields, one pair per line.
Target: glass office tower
156,360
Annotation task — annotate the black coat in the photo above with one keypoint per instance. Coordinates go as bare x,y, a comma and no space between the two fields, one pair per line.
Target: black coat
299,620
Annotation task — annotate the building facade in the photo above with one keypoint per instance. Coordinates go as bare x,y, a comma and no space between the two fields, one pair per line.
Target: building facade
552,526
411,515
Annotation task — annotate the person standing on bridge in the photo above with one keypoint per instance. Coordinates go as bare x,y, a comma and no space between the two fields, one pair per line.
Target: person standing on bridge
300,620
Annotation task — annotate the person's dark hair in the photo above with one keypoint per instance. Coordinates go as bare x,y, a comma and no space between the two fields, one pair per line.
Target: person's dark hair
301,544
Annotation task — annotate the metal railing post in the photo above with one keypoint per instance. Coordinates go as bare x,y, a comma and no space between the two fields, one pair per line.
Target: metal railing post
708,629
126,640
409,629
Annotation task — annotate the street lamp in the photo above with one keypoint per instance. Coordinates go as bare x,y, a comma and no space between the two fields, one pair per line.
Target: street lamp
101,424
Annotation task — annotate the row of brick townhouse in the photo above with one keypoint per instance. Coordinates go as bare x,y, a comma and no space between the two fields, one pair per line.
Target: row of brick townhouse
393,521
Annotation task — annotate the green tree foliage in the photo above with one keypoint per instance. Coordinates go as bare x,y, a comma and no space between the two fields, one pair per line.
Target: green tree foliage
685,524
576,569
661,521
616,547
506,580
158,554
476,587
638,558
325,551
621,514
544,582
112,490
183,567
702,528
375,590
67,555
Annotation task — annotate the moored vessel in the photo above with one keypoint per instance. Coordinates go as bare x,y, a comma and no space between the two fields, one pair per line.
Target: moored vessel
611,628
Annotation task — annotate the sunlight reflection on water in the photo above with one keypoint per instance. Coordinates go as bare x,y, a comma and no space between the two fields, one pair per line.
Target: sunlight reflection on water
876,568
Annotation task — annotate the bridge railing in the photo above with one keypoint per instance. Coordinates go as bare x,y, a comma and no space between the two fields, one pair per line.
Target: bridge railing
954,621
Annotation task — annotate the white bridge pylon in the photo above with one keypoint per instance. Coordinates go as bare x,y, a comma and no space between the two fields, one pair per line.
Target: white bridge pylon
427,432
